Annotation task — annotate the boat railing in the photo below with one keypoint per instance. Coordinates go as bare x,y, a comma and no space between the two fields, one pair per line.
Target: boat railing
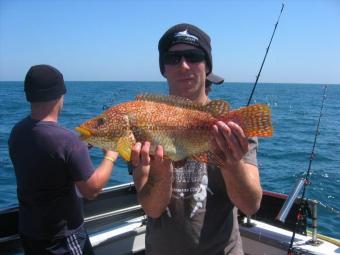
271,204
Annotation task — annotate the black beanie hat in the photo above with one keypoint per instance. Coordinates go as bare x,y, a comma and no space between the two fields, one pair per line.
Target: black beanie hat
187,34
44,83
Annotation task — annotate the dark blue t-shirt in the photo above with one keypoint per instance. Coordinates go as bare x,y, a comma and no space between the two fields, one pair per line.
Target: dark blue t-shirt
47,160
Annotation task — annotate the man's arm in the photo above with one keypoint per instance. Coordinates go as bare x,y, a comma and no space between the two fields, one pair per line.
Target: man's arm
153,179
243,186
93,185
242,179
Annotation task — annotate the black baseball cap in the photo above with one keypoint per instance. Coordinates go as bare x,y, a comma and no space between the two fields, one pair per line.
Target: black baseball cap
215,79
44,83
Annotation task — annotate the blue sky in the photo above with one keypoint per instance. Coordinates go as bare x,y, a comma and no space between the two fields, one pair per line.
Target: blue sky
117,40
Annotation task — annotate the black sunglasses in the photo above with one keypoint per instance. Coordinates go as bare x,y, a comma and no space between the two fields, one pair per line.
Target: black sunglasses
192,56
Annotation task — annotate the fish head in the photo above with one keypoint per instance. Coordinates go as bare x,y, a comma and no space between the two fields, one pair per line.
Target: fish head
105,130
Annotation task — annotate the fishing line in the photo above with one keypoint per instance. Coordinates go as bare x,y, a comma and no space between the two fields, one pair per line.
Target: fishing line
330,208
265,56
308,174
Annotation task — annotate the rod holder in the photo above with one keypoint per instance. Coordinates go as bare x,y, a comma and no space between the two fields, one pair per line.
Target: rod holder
248,223
314,220
290,201
314,208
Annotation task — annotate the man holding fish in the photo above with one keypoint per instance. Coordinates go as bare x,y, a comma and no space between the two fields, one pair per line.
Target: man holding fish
175,224
192,158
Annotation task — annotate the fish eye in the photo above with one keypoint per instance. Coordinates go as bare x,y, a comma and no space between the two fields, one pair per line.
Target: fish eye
100,121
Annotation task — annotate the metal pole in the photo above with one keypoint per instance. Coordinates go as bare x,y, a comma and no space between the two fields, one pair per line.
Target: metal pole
290,201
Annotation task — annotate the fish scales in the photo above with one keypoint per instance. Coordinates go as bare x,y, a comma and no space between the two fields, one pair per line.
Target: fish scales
182,127
180,131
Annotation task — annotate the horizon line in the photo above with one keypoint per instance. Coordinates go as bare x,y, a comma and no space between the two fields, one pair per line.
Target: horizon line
125,81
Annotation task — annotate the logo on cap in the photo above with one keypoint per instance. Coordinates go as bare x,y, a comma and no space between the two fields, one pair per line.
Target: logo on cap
185,37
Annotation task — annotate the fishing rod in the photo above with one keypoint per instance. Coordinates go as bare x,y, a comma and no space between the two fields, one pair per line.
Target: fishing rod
301,184
265,56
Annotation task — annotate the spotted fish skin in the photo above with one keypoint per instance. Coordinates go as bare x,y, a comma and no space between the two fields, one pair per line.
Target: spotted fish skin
182,127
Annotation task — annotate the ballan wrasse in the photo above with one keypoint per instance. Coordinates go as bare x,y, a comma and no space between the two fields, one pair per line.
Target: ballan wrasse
182,127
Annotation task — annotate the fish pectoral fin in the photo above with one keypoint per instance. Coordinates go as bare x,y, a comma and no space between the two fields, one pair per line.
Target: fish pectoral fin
124,146
168,143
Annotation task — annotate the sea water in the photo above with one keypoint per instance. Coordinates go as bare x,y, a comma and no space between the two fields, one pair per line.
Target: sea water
283,158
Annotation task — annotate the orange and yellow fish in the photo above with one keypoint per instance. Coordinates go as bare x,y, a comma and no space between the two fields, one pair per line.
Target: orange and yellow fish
182,127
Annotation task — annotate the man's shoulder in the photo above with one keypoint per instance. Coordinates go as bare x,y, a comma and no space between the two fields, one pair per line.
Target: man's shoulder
57,128
66,131
19,126
55,132
66,134
21,122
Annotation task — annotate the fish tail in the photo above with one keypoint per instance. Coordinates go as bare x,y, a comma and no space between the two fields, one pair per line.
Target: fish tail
255,120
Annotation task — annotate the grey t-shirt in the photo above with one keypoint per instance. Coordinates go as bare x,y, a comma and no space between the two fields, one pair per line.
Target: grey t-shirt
200,218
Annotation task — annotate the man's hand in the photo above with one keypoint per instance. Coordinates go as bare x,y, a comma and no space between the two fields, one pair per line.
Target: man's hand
155,166
231,141
153,178
94,184
241,179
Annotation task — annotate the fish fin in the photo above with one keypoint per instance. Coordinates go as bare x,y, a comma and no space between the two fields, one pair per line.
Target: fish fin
124,146
203,157
255,120
217,108
179,163
209,158
171,100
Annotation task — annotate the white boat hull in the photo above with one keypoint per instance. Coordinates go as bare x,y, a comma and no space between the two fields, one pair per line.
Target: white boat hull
261,239
116,224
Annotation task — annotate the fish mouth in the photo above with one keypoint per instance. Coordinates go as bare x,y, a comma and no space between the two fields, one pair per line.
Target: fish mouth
84,132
